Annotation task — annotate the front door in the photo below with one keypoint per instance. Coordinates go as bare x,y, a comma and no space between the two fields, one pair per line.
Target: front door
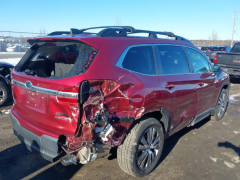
178,85
206,80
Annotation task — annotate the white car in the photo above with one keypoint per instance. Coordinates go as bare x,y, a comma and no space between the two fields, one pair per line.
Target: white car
11,49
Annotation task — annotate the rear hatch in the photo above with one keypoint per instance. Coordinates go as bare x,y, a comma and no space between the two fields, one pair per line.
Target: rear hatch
46,85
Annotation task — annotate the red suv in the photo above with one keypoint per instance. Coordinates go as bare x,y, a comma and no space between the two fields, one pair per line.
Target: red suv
122,90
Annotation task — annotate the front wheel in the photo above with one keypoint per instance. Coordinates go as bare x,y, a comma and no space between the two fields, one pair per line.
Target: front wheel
142,148
221,106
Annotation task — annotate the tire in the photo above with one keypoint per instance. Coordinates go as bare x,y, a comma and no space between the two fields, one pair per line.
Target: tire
4,93
134,161
221,106
62,62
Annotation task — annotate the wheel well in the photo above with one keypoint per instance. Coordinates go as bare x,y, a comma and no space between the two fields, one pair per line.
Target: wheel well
225,86
160,117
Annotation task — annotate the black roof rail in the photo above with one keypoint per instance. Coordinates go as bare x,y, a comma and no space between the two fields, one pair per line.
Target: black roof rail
55,33
132,29
120,31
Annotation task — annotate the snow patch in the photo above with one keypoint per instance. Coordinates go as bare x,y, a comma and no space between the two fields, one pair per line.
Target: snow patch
230,165
12,61
233,97
214,159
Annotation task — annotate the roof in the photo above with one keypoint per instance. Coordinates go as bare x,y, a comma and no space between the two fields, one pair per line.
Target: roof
6,64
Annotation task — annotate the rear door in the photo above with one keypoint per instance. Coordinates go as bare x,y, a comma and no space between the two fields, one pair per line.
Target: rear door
206,89
178,85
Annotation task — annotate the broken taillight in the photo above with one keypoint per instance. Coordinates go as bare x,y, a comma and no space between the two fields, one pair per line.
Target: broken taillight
68,94
215,59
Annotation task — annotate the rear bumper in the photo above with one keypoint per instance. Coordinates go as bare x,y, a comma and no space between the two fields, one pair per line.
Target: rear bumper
232,71
47,146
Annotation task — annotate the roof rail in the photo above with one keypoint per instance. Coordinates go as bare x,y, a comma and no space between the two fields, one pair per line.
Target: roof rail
55,33
120,31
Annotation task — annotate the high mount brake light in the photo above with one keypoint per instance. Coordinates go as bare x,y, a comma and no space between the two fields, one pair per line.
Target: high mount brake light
215,59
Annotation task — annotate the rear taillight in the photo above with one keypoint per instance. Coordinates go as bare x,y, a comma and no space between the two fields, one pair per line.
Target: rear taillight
209,50
68,94
215,59
224,51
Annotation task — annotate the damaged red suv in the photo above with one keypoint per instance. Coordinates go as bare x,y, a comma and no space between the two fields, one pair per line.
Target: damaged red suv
119,90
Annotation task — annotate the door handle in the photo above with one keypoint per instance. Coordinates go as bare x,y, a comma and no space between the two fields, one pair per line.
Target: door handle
201,84
169,86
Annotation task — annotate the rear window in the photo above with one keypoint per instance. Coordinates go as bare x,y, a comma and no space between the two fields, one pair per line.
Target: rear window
57,59
140,59
236,48
218,48
205,48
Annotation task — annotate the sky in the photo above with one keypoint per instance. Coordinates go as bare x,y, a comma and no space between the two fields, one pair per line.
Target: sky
191,19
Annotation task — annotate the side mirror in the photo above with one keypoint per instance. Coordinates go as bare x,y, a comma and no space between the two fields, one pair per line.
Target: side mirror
217,69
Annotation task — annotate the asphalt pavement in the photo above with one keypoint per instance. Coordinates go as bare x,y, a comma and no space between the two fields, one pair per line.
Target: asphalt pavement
208,150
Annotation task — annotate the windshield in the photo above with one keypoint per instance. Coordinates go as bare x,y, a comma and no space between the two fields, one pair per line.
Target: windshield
205,48
236,48
218,48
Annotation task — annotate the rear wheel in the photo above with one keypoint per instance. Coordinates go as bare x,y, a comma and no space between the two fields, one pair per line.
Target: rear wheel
4,93
221,106
142,148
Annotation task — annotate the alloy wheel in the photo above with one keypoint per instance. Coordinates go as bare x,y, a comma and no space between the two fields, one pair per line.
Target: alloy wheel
222,104
148,148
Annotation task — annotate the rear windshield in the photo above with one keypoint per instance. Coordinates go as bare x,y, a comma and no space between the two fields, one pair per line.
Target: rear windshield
218,48
205,48
236,48
57,59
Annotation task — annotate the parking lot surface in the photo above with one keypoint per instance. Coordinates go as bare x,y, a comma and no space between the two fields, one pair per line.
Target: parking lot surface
209,150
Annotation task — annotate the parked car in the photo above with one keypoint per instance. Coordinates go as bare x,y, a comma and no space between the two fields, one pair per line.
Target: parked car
16,49
205,49
230,62
216,49
5,82
130,92
2,47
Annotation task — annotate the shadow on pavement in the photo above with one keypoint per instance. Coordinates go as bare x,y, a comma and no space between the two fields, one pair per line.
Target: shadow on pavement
234,80
22,164
231,146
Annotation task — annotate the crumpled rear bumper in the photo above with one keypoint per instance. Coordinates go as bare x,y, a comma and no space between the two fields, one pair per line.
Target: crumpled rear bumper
47,146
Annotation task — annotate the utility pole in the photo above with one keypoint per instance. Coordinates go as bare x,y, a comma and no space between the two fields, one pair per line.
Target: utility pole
233,26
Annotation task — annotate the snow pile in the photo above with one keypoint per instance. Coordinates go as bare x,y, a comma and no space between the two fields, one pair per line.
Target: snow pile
12,61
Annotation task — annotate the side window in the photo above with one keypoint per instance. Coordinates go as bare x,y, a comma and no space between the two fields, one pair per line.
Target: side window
199,63
173,60
140,59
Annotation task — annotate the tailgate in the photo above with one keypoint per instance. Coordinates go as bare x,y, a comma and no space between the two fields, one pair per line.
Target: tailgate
51,105
229,60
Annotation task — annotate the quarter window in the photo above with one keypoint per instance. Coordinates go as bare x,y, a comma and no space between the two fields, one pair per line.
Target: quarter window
140,59
173,60
199,63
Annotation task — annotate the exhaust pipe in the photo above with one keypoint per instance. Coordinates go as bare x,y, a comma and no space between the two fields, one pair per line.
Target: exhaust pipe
68,160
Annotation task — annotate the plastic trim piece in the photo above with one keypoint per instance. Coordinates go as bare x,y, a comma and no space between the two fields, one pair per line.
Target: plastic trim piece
45,90
46,145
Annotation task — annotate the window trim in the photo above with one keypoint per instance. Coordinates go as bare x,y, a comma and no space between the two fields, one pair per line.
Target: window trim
122,56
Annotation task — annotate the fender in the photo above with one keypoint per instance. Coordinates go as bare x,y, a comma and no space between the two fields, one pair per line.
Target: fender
166,119
5,80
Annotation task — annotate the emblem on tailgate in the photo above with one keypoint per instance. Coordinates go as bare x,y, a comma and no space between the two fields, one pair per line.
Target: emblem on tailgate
28,84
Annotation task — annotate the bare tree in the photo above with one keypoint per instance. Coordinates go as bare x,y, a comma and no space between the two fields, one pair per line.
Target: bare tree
118,21
42,32
213,37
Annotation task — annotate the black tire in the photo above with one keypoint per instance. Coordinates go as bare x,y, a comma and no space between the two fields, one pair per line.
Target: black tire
221,106
131,152
4,93
62,61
